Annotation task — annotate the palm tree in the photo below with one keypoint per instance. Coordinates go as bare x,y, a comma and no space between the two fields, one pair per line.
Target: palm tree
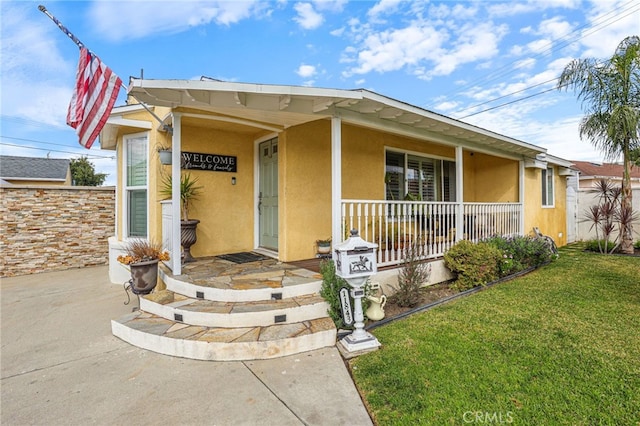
610,95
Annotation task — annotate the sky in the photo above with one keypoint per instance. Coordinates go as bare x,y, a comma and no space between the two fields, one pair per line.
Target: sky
490,63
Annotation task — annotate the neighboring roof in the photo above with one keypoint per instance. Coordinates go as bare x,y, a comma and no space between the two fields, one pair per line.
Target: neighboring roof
279,107
29,168
604,170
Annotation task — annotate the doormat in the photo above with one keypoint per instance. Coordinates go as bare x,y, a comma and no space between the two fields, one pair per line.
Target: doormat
243,257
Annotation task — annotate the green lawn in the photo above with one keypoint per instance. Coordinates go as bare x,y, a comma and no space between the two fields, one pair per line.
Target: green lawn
560,345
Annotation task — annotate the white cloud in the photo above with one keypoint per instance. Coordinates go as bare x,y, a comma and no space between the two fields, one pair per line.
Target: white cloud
307,17
306,71
555,27
137,19
446,106
330,5
383,7
37,81
610,24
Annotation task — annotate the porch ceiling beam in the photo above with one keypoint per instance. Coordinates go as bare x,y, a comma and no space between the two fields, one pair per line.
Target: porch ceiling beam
240,98
198,96
321,104
235,120
409,119
285,100
366,107
390,113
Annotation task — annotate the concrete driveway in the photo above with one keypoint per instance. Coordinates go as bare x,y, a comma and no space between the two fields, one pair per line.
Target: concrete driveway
62,366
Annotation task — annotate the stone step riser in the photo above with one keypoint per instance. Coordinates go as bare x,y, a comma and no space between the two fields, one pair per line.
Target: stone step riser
240,319
227,295
222,351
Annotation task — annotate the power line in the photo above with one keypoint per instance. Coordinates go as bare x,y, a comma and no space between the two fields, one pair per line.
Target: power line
507,95
489,78
55,150
508,103
34,141
500,71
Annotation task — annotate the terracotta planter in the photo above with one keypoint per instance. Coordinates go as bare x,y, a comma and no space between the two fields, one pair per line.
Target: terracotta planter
188,238
144,276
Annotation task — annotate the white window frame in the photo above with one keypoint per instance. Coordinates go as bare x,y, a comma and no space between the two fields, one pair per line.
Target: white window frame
127,139
548,175
407,153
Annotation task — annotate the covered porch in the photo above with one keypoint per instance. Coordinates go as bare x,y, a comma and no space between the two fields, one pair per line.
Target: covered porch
335,148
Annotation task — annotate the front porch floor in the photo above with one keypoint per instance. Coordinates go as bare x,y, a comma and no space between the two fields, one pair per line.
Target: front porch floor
222,274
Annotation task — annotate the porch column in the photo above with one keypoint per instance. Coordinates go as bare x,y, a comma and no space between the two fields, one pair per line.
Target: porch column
459,194
521,170
176,260
336,180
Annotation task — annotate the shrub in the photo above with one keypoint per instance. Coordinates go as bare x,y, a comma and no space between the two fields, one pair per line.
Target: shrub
412,276
637,245
475,264
600,246
520,252
330,291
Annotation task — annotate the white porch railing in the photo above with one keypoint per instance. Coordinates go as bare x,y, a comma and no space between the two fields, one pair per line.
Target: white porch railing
395,224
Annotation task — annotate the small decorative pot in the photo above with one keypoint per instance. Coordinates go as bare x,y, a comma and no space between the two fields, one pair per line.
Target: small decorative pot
144,276
324,248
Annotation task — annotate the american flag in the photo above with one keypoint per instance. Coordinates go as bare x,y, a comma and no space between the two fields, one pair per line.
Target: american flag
96,91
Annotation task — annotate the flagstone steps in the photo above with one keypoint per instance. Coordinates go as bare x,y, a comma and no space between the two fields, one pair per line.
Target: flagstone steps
248,288
164,336
220,311
208,313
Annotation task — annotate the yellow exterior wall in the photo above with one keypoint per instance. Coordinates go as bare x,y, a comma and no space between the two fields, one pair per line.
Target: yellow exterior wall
225,211
551,221
489,179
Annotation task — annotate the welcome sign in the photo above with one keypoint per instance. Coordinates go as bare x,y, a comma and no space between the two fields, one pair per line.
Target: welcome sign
210,162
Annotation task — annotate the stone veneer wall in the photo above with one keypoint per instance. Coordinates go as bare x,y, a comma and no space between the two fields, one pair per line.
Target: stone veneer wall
54,228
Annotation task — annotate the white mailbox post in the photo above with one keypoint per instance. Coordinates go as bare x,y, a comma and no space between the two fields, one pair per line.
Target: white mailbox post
355,261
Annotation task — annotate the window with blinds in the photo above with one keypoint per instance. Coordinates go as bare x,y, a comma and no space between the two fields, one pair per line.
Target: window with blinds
547,188
420,178
136,186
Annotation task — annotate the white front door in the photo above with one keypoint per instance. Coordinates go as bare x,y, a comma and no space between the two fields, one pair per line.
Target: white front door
268,195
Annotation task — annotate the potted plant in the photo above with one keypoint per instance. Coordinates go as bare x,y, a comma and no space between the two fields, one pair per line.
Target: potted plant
143,256
324,246
189,191
165,154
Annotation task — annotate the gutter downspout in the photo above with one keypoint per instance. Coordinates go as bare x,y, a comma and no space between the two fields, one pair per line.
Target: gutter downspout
176,260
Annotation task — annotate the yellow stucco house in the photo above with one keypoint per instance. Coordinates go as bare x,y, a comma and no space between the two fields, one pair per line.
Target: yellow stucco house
284,166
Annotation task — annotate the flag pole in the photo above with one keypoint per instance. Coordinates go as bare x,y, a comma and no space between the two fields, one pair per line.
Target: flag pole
80,45
64,29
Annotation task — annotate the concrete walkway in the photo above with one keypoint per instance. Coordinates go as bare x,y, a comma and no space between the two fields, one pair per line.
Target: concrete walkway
62,366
